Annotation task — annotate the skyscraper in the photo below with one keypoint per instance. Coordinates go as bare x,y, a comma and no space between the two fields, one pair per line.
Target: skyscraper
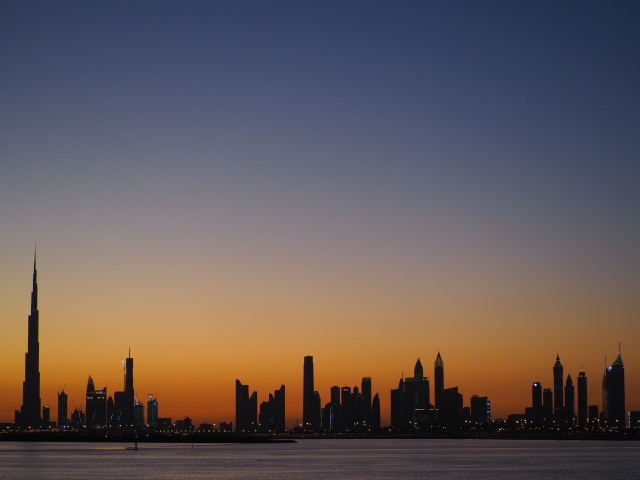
246,408
613,391
335,395
62,409
438,378
583,411
272,412
152,413
536,395
558,380
310,418
547,404
46,416
366,401
375,413
30,409
480,410
569,402
138,412
128,410
96,404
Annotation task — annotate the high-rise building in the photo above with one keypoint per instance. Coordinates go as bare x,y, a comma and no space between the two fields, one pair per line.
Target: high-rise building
366,401
558,400
96,404
138,414
536,395
77,419
547,404
272,412
613,394
310,406
246,408
480,410
335,395
62,409
569,402
152,412
30,409
46,416
410,402
451,407
593,416
347,410
438,378
375,412
128,411
583,413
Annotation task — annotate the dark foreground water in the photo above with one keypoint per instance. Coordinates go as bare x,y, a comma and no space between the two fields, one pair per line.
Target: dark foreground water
360,459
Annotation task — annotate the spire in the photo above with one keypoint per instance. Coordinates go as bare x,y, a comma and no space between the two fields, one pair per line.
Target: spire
439,362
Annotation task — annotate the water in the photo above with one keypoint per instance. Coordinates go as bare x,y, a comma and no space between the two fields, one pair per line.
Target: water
324,459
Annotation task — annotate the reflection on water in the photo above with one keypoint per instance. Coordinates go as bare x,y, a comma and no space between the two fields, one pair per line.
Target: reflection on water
359,459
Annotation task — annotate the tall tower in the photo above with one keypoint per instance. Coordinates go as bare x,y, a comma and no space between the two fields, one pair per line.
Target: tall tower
128,415
30,410
308,395
558,403
617,416
63,419
582,399
438,375
366,400
569,400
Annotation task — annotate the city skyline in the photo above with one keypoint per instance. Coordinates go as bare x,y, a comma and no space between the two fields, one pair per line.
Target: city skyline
228,187
410,404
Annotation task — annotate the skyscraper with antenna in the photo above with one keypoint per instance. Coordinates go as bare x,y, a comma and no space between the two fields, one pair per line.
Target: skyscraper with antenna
30,410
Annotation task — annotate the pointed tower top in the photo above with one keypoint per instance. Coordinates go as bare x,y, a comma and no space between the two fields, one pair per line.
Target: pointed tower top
418,372
439,362
35,252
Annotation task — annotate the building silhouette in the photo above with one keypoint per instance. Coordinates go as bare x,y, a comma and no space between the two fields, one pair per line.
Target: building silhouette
613,394
547,405
480,410
438,378
46,417
62,409
537,410
272,412
332,417
138,412
583,413
558,400
375,412
569,402
152,413
310,398
366,401
335,395
96,405
29,415
246,408
450,413
410,405
77,419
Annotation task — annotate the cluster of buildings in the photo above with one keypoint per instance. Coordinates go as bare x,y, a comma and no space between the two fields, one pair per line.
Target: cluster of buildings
411,406
557,407
349,410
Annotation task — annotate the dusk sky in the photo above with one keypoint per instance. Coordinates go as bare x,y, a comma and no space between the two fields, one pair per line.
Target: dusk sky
226,187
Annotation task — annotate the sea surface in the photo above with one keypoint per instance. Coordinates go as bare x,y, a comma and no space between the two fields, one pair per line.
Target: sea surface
324,459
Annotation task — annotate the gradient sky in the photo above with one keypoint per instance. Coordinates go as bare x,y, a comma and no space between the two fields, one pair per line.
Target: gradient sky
226,187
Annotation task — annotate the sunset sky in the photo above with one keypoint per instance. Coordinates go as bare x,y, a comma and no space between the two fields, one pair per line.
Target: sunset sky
226,187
